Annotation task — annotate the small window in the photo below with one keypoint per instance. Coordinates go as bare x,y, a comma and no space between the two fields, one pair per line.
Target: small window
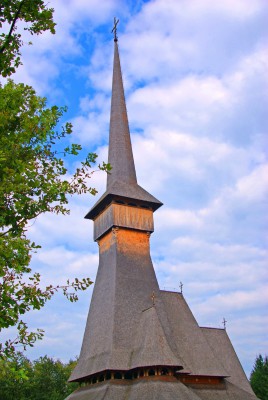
117,375
108,375
128,375
164,371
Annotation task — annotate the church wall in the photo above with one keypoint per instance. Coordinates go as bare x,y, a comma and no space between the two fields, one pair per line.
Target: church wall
123,216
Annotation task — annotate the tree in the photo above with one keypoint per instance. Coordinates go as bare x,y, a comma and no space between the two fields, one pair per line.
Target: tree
33,16
14,377
259,377
34,181
33,175
50,379
43,379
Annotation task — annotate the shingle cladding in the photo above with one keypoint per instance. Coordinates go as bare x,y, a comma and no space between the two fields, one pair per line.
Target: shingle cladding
127,193
123,288
150,345
186,338
142,390
120,154
122,180
223,350
159,390
132,325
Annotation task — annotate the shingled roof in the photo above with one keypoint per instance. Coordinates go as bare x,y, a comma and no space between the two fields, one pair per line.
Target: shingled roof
159,390
141,342
187,338
150,343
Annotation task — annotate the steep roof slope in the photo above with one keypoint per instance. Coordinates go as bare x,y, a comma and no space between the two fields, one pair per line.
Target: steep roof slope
187,338
222,347
150,343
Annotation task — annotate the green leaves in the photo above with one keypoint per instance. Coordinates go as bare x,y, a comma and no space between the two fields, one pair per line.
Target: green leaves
76,285
34,179
35,18
31,170
44,379
259,377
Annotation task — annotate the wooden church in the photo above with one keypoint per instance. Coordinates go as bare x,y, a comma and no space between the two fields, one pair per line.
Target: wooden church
140,342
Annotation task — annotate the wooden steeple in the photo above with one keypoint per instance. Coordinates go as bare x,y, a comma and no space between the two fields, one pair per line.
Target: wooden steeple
122,181
141,342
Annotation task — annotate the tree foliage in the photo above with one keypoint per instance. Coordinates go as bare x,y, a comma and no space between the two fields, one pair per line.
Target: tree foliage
43,379
34,180
259,377
15,16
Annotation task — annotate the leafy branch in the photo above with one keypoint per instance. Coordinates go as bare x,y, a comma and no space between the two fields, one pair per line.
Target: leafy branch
33,16
34,179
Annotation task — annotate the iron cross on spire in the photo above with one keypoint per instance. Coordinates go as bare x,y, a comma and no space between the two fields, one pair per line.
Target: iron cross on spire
224,323
114,30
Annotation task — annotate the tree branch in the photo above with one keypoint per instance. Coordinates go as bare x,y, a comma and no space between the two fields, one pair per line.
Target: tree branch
6,42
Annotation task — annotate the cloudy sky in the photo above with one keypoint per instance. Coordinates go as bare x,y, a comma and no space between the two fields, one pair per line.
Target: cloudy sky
195,75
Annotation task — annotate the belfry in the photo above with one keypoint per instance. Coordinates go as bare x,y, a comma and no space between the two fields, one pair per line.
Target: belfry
140,342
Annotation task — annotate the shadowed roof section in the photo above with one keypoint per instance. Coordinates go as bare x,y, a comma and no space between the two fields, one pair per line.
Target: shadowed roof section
122,181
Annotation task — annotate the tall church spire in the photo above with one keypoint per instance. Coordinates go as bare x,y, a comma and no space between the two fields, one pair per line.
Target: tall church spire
120,150
141,342
121,181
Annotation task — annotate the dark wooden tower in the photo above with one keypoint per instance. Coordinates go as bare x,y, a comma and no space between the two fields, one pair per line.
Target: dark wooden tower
141,342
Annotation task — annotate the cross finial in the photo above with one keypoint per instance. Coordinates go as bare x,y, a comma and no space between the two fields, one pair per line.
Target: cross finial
224,323
181,286
153,298
114,30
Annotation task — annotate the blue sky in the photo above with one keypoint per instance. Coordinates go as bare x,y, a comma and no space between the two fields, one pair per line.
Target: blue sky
195,76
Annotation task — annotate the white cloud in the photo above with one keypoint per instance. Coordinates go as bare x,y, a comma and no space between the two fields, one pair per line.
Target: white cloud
187,104
253,187
240,9
92,127
195,77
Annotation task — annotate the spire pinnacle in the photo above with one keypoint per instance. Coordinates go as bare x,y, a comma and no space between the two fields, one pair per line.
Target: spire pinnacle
121,181
120,149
